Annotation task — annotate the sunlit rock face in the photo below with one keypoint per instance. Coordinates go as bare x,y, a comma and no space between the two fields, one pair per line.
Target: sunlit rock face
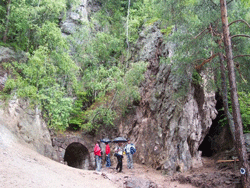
76,16
166,129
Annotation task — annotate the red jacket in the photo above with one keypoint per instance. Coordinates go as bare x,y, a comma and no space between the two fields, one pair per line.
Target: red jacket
107,149
97,150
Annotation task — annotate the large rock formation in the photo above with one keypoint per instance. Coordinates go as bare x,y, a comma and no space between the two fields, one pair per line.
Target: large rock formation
26,124
167,130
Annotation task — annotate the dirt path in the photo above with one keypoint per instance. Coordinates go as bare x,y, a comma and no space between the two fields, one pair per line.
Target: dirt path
142,176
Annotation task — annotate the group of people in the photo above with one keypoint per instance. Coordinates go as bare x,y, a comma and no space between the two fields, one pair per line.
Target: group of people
129,150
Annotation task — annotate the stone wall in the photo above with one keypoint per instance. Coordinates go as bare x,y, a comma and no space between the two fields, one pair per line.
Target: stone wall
64,144
27,126
84,146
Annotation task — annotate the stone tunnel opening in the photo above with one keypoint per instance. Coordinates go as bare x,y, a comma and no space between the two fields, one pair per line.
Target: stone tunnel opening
219,137
77,156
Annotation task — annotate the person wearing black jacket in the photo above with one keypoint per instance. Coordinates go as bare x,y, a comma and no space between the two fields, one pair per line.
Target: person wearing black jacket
119,155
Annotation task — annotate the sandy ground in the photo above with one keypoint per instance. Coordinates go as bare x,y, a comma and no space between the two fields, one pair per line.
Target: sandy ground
23,167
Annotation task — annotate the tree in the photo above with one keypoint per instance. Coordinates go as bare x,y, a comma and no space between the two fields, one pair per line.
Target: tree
224,96
24,18
211,39
7,22
239,139
201,48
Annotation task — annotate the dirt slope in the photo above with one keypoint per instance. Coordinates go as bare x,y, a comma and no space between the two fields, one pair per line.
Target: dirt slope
23,167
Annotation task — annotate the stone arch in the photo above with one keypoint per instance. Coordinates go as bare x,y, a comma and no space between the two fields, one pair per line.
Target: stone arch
74,152
77,156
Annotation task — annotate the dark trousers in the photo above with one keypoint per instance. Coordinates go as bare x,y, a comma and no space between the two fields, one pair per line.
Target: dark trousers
119,164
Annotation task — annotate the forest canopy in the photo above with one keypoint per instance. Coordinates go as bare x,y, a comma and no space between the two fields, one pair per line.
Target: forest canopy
89,78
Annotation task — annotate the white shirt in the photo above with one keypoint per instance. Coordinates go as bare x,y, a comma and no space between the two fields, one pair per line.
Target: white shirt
127,148
118,149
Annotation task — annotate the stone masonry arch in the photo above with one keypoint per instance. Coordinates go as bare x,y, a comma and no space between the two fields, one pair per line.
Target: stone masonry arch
74,152
77,156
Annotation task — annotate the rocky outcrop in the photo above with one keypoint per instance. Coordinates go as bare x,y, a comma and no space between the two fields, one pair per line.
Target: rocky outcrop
26,124
166,129
75,16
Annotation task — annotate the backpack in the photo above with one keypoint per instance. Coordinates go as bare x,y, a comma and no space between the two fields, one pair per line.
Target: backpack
132,149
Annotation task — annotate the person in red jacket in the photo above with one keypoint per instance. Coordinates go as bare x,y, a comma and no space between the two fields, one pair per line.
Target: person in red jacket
97,152
108,164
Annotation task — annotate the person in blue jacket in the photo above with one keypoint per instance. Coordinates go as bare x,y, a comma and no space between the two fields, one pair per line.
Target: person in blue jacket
130,150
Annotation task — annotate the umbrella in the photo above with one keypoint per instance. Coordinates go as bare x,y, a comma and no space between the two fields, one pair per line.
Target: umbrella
105,140
120,139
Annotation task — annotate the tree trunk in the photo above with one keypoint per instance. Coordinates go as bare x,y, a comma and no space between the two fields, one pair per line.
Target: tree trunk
127,34
239,139
224,96
7,22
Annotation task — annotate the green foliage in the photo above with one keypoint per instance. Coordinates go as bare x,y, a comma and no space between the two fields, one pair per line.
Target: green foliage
56,107
72,4
246,3
152,21
128,88
96,76
99,48
111,89
49,77
167,31
196,78
45,80
26,18
244,100
77,116
98,118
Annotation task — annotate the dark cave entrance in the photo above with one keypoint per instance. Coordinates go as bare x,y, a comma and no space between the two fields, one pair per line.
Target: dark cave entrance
219,137
77,156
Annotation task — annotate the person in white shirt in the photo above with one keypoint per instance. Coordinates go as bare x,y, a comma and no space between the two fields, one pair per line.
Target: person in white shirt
119,155
129,154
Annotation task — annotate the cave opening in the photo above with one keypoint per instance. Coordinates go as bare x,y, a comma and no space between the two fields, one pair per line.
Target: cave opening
219,137
77,156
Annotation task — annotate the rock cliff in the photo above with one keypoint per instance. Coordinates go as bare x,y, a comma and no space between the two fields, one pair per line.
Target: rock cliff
26,124
166,130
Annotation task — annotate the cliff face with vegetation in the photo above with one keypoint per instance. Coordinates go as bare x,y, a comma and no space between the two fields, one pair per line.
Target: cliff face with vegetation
114,68
167,129
24,122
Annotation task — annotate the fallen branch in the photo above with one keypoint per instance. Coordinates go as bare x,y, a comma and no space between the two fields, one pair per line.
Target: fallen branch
226,161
